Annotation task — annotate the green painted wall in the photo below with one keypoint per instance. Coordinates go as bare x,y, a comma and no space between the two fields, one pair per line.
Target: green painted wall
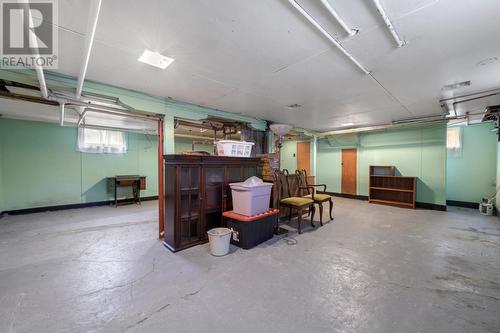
41,167
2,203
472,174
498,177
288,156
184,144
419,152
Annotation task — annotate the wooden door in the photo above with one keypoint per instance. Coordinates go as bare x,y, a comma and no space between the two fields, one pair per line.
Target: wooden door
303,157
349,171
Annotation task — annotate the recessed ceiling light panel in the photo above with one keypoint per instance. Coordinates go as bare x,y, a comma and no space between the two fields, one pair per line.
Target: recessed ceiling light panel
155,59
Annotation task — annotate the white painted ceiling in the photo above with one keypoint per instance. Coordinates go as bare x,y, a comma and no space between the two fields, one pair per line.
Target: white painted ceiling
256,57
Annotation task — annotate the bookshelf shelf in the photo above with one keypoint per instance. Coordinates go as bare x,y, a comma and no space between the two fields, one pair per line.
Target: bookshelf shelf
389,189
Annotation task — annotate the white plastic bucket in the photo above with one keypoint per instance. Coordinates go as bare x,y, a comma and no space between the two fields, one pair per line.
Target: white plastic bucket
219,239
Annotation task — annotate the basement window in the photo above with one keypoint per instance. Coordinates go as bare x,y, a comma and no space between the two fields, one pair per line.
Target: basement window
101,141
454,138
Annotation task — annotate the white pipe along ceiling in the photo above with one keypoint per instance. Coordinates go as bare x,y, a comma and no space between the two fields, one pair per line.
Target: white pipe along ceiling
334,41
388,23
89,40
350,32
38,68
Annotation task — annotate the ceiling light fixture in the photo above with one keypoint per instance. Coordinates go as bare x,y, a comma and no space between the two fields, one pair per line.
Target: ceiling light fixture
335,42
350,32
155,59
347,124
454,86
388,23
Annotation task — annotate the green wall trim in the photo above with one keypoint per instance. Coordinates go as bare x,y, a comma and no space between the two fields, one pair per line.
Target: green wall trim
135,99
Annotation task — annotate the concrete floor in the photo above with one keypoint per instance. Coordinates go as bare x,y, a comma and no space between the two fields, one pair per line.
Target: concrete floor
374,269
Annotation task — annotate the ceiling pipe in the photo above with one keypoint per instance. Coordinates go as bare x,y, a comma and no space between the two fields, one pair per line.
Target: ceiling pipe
39,69
187,136
121,129
335,42
61,107
95,8
389,24
82,118
445,105
349,31
469,95
416,122
118,113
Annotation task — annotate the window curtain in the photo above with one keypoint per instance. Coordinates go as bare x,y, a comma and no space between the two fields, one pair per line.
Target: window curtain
454,141
101,141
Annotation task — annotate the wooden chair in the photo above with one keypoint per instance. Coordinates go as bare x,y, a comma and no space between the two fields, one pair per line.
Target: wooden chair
293,202
319,198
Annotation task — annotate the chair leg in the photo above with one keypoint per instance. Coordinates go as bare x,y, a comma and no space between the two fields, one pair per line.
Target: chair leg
299,220
312,216
331,207
309,212
321,213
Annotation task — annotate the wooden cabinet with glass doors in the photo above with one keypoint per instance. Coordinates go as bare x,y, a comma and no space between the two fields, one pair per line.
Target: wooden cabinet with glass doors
197,192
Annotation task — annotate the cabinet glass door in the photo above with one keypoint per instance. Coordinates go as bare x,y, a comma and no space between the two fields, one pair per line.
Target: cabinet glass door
189,213
249,172
212,210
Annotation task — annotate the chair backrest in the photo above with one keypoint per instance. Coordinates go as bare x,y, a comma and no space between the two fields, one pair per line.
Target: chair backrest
302,179
287,183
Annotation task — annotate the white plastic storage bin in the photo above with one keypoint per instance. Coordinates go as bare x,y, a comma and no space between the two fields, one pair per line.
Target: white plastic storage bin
234,148
251,197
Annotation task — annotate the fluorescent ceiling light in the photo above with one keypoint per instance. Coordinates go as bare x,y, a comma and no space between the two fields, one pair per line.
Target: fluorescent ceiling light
347,124
155,59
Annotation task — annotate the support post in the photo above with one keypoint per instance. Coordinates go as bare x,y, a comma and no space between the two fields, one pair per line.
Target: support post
161,183
168,134
314,153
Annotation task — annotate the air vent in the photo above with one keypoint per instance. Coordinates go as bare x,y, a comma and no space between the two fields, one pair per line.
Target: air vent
294,106
454,86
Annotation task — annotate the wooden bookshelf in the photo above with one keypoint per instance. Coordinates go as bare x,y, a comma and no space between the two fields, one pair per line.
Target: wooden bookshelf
388,189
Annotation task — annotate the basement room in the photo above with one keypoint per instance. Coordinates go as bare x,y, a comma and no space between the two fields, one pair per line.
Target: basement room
250,166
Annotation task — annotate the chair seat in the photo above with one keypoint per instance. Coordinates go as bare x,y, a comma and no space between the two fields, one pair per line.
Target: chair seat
297,201
319,197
